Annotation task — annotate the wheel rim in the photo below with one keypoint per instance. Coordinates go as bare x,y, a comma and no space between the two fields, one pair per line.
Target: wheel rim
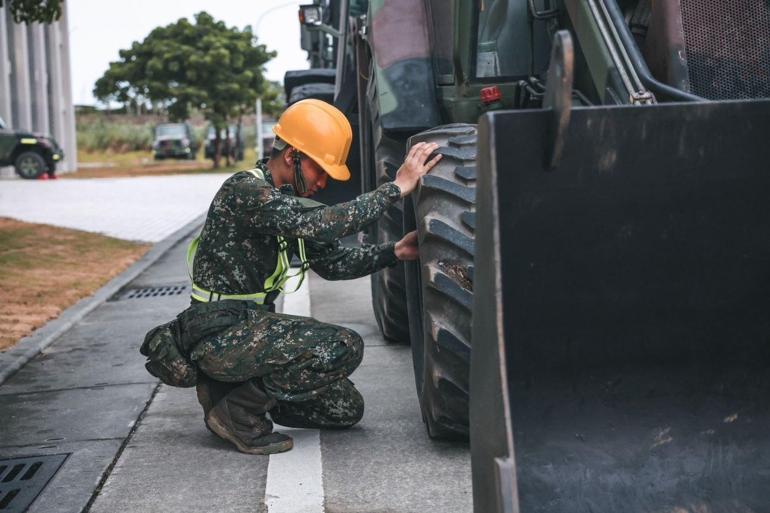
29,166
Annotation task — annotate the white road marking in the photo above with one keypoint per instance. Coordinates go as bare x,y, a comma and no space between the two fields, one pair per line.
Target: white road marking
295,478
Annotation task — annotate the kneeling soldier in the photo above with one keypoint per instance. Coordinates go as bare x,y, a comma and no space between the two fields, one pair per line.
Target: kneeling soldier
246,360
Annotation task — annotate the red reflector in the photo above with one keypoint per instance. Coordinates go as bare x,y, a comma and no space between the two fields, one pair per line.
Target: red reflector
491,94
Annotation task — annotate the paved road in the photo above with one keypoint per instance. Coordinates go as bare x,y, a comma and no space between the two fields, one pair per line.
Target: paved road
88,396
144,208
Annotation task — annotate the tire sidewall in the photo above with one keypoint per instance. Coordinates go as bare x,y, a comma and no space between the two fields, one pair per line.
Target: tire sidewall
413,282
29,157
425,305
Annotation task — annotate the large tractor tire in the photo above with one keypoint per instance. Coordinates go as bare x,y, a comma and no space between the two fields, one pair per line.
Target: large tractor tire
384,153
440,284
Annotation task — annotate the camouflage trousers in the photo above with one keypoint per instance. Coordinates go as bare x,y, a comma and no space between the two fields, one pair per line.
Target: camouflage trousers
301,363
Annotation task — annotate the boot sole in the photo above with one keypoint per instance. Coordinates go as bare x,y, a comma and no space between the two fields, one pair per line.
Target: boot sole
273,448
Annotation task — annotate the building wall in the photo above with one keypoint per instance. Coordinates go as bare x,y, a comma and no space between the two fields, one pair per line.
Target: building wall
35,81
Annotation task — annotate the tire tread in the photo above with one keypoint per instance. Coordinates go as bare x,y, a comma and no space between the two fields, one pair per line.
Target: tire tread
444,207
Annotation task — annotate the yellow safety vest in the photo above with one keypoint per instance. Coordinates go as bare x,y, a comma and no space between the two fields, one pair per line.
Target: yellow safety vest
275,282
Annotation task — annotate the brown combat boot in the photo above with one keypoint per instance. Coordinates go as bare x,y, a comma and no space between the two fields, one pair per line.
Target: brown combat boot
210,392
239,417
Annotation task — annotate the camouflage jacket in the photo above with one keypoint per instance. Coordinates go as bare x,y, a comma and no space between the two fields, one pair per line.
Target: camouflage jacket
238,249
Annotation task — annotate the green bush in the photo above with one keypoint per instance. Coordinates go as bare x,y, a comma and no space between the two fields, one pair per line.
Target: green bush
121,134
249,134
101,135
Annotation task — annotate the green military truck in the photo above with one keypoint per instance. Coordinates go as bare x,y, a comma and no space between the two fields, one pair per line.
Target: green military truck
32,155
590,303
174,141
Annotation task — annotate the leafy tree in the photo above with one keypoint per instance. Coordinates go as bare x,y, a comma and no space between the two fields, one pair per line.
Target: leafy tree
273,101
28,11
204,65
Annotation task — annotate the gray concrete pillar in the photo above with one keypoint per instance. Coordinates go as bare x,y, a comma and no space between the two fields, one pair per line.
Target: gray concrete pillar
39,78
20,99
56,88
36,83
5,68
69,143
5,79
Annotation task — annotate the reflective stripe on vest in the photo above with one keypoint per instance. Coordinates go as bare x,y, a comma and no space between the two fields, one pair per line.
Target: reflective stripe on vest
274,282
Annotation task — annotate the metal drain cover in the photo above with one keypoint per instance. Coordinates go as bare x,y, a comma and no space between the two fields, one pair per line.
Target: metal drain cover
150,292
22,480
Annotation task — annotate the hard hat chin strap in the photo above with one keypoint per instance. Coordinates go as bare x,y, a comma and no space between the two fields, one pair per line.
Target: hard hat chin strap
299,180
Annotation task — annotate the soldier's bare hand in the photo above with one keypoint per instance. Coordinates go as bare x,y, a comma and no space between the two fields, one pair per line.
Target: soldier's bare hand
416,165
407,248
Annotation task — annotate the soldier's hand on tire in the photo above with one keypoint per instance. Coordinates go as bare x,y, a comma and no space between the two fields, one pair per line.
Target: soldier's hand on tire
407,248
416,164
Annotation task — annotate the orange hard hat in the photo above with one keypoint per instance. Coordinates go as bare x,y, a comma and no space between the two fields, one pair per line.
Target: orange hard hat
321,132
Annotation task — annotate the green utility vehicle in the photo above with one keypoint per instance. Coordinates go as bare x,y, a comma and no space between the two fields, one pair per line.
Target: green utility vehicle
31,154
590,302
174,141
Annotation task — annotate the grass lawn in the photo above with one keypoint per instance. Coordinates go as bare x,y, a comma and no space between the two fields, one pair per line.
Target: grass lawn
141,163
45,269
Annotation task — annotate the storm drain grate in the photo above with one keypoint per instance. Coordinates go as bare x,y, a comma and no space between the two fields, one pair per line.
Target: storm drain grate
149,292
22,480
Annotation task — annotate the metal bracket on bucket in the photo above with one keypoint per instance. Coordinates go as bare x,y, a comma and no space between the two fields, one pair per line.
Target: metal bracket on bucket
558,95
505,476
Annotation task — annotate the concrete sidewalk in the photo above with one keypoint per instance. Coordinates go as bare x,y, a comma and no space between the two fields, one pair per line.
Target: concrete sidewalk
129,444
147,208
83,395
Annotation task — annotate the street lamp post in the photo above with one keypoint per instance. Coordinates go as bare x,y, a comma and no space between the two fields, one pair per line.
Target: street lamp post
260,133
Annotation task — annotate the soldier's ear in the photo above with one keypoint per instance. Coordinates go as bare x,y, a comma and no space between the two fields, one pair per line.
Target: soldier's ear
288,156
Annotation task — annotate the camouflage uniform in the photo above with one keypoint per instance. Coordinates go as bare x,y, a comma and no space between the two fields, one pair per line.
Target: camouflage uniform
301,363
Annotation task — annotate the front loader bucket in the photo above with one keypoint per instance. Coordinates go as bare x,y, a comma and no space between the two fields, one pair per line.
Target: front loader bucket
621,323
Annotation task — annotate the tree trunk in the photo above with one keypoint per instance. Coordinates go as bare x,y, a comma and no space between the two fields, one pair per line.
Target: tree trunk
217,147
228,146
238,140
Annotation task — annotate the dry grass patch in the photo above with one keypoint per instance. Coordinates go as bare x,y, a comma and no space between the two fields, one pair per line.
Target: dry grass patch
45,269
174,168
140,163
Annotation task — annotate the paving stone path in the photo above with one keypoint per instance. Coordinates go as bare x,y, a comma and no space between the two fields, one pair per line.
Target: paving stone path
143,209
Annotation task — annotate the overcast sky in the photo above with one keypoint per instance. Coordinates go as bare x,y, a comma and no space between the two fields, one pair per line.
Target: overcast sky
99,28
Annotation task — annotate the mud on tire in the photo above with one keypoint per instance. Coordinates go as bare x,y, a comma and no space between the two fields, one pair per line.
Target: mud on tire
440,285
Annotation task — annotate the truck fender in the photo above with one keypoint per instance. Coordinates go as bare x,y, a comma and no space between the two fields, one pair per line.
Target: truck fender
403,67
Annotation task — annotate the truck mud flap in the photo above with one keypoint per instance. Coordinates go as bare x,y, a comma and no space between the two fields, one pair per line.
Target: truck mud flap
621,321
